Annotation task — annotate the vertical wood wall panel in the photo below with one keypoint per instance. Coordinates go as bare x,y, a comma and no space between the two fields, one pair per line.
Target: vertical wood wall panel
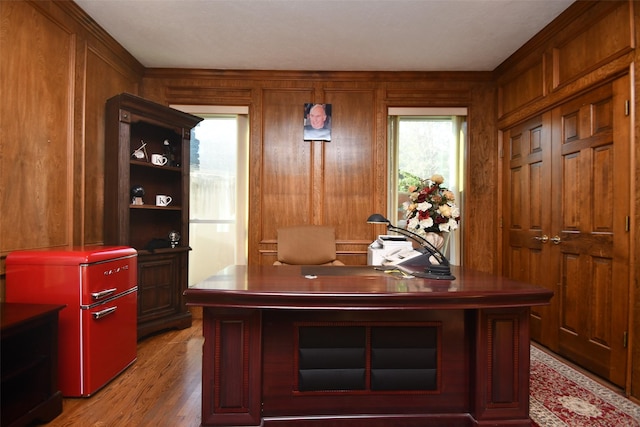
37,119
103,80
349,170
286,185
482,188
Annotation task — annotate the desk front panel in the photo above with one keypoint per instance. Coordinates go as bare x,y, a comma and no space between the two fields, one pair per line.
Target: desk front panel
378,362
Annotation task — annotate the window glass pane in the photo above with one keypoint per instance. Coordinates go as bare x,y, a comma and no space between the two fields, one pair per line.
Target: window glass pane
421,146
426,147
213,169
213,192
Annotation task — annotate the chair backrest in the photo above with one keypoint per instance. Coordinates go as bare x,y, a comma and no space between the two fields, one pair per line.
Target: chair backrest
307,245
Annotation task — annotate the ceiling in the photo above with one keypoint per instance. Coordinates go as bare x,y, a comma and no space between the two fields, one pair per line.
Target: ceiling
324,35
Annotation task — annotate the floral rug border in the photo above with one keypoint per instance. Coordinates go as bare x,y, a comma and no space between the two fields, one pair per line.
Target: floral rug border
544,417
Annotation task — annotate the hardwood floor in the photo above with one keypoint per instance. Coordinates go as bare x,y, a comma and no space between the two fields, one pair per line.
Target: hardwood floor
162,388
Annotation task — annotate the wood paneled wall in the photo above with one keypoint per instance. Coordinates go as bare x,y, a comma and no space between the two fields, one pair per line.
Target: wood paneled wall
61,67
590,44
53,168
58,68
340,183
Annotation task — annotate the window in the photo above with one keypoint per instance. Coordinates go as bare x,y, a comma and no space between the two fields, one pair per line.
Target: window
218,190
423,142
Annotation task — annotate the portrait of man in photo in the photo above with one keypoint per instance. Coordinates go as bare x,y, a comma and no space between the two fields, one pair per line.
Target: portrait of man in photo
317,122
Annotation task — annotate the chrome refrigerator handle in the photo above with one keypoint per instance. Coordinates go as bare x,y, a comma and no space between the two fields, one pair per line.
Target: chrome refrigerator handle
102,294
103,313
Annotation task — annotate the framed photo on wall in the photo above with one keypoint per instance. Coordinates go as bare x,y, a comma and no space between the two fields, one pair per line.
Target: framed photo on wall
317,122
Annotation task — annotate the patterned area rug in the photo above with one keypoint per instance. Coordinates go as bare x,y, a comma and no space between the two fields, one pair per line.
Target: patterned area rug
561,396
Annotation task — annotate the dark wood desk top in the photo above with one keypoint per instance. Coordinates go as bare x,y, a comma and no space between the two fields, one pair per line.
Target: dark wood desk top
13,315
358,288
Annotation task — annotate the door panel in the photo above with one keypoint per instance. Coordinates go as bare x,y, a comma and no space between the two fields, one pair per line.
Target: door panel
528,179
591,169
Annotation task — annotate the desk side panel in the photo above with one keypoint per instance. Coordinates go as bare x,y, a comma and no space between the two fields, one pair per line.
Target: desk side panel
502,365
231,369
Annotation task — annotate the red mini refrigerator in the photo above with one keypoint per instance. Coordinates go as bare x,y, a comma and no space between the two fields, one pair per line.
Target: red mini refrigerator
97,328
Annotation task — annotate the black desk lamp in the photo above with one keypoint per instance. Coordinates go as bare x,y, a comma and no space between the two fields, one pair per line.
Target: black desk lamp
439,271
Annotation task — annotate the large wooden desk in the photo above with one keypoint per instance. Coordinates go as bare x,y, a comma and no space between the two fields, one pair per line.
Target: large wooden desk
358,347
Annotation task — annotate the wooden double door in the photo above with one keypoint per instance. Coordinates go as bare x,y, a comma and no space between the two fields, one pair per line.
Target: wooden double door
566,224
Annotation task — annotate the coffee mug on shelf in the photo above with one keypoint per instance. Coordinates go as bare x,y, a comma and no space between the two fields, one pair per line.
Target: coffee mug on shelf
159,159
163,200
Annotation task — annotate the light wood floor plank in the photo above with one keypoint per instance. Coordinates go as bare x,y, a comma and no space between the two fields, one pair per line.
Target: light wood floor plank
162,388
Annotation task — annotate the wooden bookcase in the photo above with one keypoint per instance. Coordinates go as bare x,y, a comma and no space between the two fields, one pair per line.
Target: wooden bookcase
132,122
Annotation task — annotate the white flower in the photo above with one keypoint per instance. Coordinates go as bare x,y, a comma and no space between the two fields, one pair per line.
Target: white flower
413,223
424,206
426,223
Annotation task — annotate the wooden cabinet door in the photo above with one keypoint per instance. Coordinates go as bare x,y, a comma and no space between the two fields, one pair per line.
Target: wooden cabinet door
590,210
527,216
162,279
566,209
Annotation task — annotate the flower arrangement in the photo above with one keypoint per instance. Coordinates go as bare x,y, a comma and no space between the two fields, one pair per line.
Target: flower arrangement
431,207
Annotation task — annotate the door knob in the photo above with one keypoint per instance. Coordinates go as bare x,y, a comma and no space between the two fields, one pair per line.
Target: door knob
543,239
556,240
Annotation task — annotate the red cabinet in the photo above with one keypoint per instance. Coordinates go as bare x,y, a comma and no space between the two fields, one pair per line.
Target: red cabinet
98,285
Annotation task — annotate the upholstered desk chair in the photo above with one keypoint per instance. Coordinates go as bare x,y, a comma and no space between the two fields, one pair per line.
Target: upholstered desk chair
307,245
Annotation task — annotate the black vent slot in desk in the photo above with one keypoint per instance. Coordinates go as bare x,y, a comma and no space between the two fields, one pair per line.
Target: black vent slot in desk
332,358
367,357
403,358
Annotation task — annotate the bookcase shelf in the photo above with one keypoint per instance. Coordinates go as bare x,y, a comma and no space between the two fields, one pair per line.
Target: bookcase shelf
137,126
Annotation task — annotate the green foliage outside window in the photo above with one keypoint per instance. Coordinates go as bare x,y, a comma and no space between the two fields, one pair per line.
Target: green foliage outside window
406,180
426,147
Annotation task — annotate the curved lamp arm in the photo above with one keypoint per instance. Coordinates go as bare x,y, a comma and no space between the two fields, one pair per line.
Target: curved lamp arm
442,270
